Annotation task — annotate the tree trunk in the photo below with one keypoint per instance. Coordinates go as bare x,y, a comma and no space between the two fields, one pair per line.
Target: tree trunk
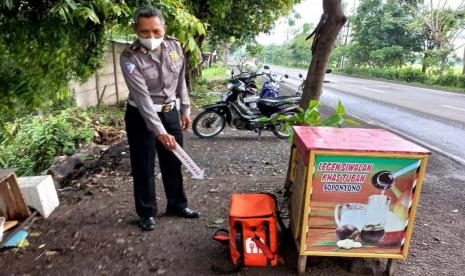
325,35
463,71
345,44
188,71
192,73
197,72
226,54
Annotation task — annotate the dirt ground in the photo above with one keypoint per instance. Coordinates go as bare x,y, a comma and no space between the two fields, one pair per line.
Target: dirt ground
94,231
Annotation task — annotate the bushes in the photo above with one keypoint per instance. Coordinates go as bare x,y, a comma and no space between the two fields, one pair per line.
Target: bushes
409,74
36,140
31,143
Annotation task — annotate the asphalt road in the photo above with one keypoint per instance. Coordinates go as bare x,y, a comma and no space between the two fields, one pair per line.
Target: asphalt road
435,119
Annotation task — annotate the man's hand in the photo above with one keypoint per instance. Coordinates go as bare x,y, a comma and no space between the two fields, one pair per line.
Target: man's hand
168,141
186,121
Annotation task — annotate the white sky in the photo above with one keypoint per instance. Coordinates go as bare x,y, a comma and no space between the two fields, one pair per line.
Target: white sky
310,12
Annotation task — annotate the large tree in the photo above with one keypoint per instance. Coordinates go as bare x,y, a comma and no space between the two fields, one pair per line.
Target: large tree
382,33
324,36
441,23
47,43
238,19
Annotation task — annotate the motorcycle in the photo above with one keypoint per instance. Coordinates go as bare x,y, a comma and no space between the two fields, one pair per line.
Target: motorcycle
271,86
234,109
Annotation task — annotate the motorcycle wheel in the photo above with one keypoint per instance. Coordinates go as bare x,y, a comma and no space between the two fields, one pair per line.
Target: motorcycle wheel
208,124
280,131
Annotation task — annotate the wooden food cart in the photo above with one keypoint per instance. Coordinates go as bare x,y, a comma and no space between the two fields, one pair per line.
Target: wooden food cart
12,205
353,193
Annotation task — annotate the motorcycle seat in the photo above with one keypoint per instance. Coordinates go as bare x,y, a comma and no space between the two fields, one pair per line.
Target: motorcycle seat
274,101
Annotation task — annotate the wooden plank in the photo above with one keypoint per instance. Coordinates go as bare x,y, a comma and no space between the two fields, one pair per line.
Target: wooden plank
9,224
10,193
8,198
5,173
20,203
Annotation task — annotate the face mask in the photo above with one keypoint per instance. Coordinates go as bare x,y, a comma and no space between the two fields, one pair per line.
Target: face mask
151,43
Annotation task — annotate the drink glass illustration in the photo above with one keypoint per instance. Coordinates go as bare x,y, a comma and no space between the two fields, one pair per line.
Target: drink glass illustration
377,210
350,214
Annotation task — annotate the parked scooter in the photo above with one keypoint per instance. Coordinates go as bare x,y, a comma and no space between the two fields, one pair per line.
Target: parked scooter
234,110
272,85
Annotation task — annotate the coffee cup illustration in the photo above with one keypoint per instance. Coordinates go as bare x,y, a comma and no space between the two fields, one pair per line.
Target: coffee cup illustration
384,180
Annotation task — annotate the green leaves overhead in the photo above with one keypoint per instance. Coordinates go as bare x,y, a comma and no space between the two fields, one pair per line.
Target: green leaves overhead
241,19
51,42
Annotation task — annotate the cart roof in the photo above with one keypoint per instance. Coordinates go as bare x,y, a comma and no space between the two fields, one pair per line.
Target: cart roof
354,139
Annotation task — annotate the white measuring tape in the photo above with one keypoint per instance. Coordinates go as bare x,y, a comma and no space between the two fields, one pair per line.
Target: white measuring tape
187,161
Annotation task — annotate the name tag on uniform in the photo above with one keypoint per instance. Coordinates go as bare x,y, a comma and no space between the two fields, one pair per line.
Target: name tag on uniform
148,67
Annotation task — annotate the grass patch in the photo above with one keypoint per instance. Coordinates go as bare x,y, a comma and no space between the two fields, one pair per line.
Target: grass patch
206,90
414,84
216,73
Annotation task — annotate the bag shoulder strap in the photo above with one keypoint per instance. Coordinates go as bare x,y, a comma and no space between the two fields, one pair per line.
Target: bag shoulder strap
240,248
268,254
224,238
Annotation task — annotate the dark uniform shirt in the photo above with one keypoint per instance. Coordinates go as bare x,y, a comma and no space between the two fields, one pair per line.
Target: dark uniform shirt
155,80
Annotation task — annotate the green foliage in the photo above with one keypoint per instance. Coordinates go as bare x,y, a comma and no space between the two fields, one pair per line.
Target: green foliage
312,117
206,90
242,20
215,73
50,43
391,33
37,140
296,53
31,143
382,34
106,115
45,45
409,74
440,26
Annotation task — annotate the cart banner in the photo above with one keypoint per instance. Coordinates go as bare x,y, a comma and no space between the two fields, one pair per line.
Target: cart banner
360,204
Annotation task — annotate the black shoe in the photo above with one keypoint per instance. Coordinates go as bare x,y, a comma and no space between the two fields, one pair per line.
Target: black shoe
147,224
184,213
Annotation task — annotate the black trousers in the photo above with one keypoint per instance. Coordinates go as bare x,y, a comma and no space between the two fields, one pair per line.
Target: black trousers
143,146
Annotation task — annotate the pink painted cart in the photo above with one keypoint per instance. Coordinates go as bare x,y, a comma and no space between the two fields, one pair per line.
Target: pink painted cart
354,193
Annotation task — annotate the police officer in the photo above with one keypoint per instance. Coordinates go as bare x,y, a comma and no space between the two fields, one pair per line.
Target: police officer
153,67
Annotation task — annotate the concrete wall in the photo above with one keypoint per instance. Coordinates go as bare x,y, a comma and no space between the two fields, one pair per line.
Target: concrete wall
107,86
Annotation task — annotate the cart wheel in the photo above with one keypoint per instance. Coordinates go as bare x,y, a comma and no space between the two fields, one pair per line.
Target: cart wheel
301,264
391,267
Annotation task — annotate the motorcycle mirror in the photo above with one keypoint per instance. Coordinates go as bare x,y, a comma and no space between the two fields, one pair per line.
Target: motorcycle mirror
329,70
286,76
266,67
300,75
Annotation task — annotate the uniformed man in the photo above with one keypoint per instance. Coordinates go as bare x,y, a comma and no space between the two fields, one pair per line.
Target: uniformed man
154,67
